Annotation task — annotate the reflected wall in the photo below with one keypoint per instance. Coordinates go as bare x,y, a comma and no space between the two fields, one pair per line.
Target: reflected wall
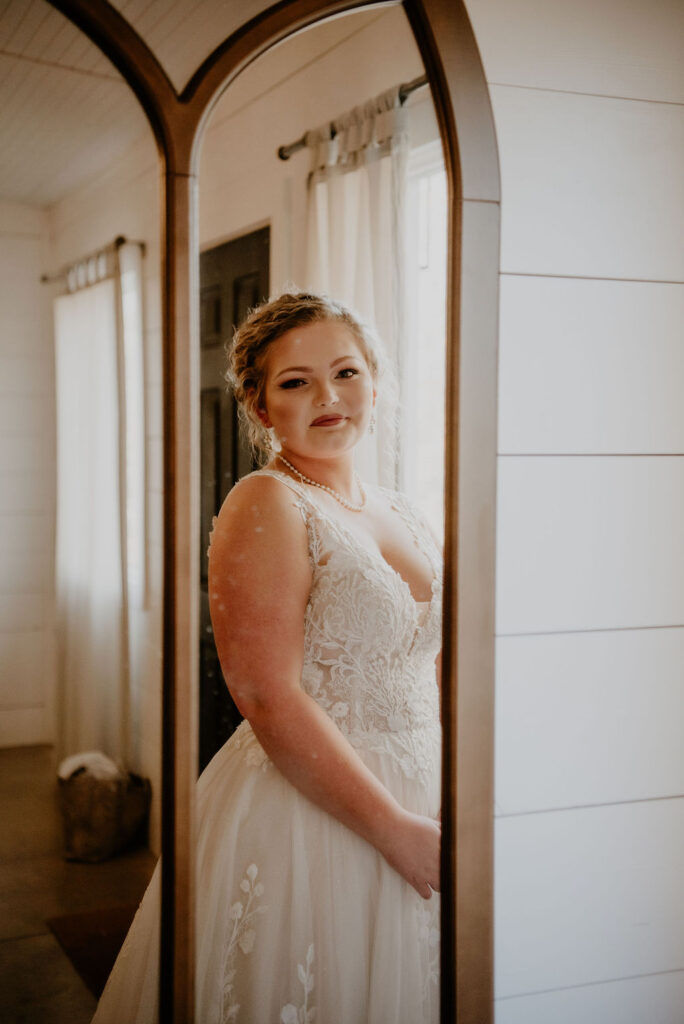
79,169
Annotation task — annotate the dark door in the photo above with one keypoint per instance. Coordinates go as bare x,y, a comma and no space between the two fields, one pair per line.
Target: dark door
233,278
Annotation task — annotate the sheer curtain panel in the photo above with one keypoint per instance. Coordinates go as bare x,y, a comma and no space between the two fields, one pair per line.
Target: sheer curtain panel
355,242
90,623
100,549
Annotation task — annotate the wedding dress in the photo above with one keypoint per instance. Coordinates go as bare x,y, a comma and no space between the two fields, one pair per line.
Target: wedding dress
299,920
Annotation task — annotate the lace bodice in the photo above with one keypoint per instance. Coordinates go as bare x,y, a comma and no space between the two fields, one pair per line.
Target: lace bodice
370,648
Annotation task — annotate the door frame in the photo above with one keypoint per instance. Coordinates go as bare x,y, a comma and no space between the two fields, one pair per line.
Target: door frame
461,97
224,263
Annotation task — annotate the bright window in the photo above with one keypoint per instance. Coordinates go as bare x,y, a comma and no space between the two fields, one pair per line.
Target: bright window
422,386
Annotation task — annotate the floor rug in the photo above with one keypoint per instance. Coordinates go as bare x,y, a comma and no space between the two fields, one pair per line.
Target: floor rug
92,941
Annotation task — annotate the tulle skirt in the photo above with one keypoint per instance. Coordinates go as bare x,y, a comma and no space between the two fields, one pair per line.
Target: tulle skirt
299,920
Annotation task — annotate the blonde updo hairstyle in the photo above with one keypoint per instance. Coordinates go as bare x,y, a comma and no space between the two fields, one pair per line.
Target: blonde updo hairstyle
265,324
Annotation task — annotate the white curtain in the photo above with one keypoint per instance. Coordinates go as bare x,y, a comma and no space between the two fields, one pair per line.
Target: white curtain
100,441
355,242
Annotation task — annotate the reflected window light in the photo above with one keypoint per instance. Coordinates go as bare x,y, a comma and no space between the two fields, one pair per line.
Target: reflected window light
130,261
423,213
423,390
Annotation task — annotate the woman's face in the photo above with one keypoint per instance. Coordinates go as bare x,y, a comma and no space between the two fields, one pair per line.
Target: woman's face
319,390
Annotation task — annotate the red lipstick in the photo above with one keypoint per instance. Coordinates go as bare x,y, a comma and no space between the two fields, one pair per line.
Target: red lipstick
324,421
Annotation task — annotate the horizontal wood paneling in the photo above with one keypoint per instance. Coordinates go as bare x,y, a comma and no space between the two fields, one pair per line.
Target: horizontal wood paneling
589,543
26,493
182,34
24,611
25,670
591,186
613,47
21,336
27,478
22,727
26,415
21,264
26,373
20,219
26,554
33,29
588,718
62,120
588,895
657,999
20,455
590,366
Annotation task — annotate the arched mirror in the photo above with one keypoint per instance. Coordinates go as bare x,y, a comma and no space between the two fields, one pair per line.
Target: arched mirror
157,54
81,486
358,210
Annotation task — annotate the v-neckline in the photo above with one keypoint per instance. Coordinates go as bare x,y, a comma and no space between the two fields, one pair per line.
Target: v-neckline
375,556
378,558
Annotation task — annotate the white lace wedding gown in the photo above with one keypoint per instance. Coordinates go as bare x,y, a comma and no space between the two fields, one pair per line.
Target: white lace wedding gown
300,921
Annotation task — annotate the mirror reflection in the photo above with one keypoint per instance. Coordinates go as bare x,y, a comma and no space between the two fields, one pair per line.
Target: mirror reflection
358,213
319,816
80,500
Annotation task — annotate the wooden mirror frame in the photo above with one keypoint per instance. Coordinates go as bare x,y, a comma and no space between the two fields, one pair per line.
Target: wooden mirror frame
461,98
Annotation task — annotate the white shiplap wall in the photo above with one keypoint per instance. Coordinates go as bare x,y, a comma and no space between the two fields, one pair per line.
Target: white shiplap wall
65,112
27,481
589,106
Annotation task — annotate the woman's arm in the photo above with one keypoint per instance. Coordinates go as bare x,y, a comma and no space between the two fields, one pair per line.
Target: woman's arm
259,583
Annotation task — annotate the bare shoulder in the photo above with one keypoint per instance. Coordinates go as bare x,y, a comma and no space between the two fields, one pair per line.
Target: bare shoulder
261,529
260,495
259,584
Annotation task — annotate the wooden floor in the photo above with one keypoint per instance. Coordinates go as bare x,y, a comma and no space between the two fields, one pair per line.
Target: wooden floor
38,985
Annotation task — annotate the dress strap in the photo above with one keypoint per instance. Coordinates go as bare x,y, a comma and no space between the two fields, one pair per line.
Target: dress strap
303,502
309,510
294,485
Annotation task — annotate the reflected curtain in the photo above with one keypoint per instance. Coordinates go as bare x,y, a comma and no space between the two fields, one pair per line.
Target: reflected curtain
100,506
356,243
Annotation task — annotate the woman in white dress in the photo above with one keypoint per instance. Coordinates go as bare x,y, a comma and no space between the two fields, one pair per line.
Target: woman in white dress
318,830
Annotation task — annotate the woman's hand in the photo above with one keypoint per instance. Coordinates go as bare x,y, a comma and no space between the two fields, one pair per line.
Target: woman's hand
412,849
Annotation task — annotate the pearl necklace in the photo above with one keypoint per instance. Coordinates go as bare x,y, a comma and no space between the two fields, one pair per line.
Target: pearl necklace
324,487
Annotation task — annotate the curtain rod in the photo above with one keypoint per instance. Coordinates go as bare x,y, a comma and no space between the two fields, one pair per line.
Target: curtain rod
104,250
405,90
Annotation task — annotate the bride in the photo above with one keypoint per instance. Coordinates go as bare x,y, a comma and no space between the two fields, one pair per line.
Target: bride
318,830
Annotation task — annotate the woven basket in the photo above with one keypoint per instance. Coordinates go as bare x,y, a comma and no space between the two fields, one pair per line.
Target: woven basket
102,816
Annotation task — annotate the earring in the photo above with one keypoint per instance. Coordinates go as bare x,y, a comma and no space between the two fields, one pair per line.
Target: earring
371,422
274,440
